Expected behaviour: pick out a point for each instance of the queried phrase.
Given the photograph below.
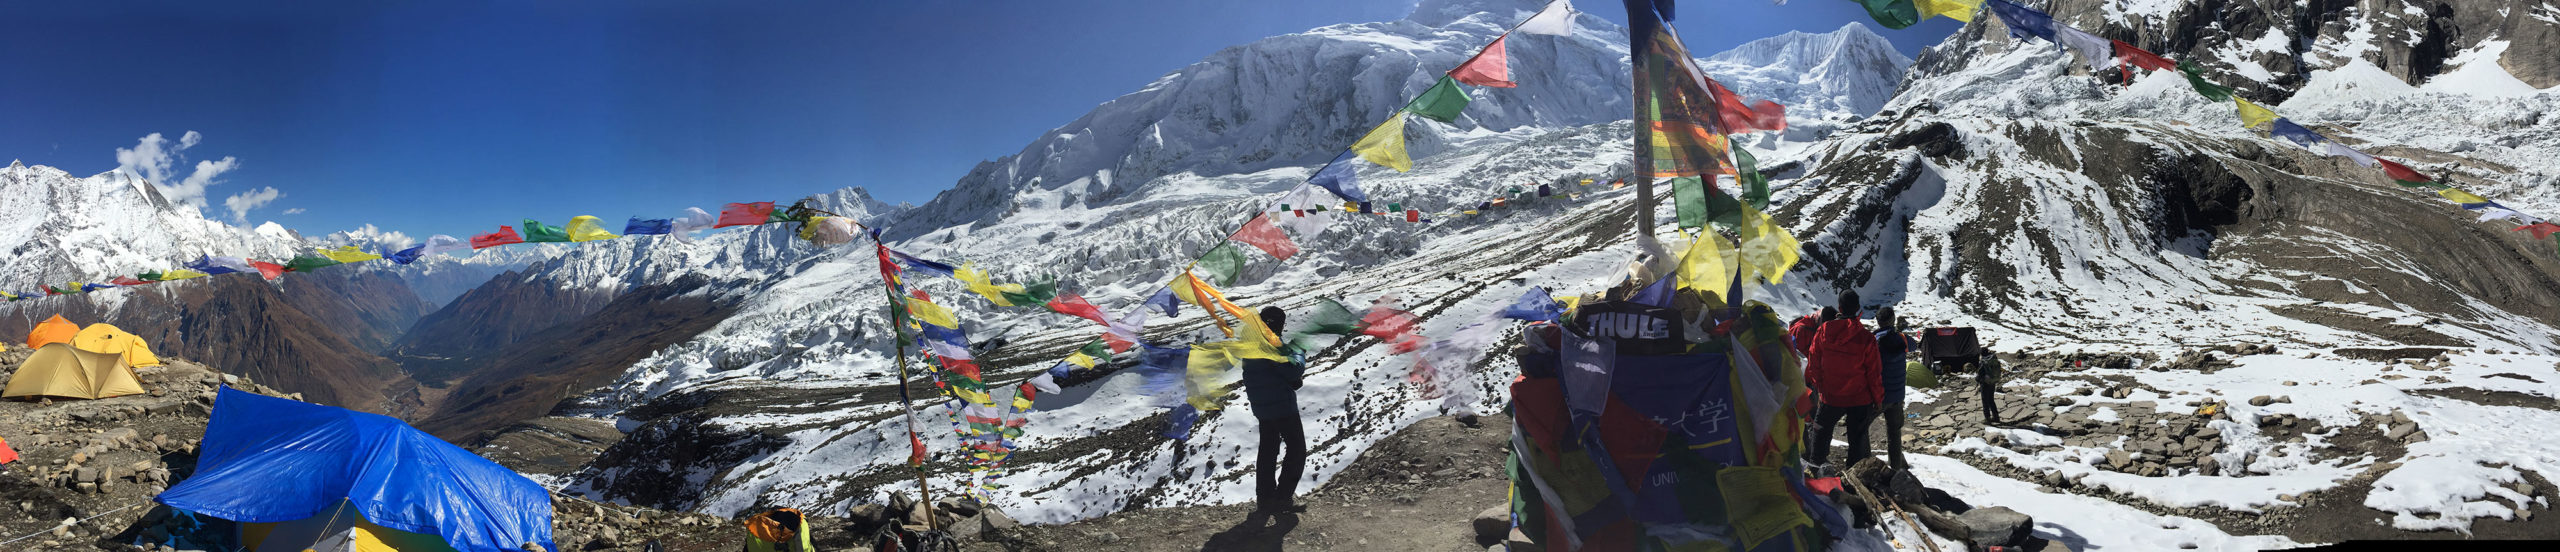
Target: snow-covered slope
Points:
(1851, 71)
(56, 228)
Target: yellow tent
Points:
(57, 370)
(52, 330)
(337, 530)
(107, 338)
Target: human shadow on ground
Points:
(1251, 535)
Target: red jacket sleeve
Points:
(1875, 377)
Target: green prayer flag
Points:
(152, 276)
(1689, 196)
(1892, 14)
(305, 263)
(1328, 317)
(1222, 264)
(1442, 102)
(1755, 187)
(1033, 294)
(898, 320)
(2195, 77)
(1097, 349)
(536, 232)
(1395, 207)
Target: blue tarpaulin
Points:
(267, 460)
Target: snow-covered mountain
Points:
(1847, 72)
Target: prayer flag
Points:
(1534, 306)
(642, 227)
(1327, 317)
(347, 254)
(1385, 145)
(505, 235)
(930, 313)
(1755, 187)
(2540, 230)
(2130, 57)
(266, 269)
(1340, 178)
(410, 255)
(1739, 114)
(948, 350)
(1222, 263)
(582, 228)
(1364, 208)
(1080, 359)
(694, 219)
(921, 264)
(1395, 207)
(1556, 19)
(2099, 53)
(2284, 128)
(2497, 213)
(222, 265)
(2195, 78)
(745, 214)
(1491, 67)
(1411, 215)
(1308, 225)
(441, 244)
(979, 283)
(2462, 197)
(1442, 102)
(1072, 305)
(1261, 234)
(1164, 300)
(1678, 114)
(180, 274)
(1191, 289)
(1960, 10)
(127, 281)
(1689, 199)
(2341, 150)
(306, 263)
(2405, 175)
(1708, 266)
(537, 232)
(1587, 365)
(2022, 21)
(2251, 115)
(1892, 14)
(1767, 248)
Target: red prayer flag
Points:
(1072, 305)
(1412, 215)
(1262, 234)
(127, 281)
(2403, 173)
(1117, 344)
(504, 235)
(2137, 57)
(2540, 230)
(267, 269)
(1740, 114)
(1490, 67)
(745, 214)
(915, 454)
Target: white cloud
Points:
(153, 158)
(293, 211)
(240, 204)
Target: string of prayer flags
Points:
(1072, 305)
(745, 214)
(2195, 77)
(1892, 14)
(1555, 20)
(827, 231)
(1123, 332)
(537, 232)
(268, 270)
(2022, 21)
(917, 263)
(1385, 145)
(585, 228)
(1262, 234)
(347, 254)
(1442, 102)
(505, 235)
(1490, 68)
(1222, 263)
(2097, 52)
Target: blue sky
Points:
(455, 117)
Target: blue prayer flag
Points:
(915, 263)
(1164, 301)
(1534, 306)
(2304, 137)
(2023, 21)
(640, 226)
(1340, 178)
(1658, 294)
(1178, 424)
(406, 256)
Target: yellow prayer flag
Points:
(1190, 289)
(1767, 247)
(2459, 196)
(931, 313)
(1385, 145)
(977, 280)
(2252, 116)
(1960, 10)
(180, 274)
(588, 228)
(1080, 359)
(1708, 266)
(347, 254)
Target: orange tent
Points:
(52, 330)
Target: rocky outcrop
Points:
(526, 378)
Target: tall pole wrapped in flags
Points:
(898, 317)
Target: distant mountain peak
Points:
(1440, 13)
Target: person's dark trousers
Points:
(1893, 435)
(1989, 383)
(1270, 493)
(1828, 418)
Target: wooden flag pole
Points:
(923, 488)
(1641, 23)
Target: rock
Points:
(2208, 466)
(2117, 459)
(998, 522)
(962, 506)
(2522, 488)
(2062, 401)
(2056, 480)
(1106, 537)
(2287, 399)
(1995, 526)
(85, 475)
(1518, 541)
(967, 529)
(865, 515)
(1492, 523)
(2400, 432)
(2261, 400)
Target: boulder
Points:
(1492, 523)
(1995, 526)
(866, 515)
(2261, 400)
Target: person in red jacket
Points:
(1849, 376)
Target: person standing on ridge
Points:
(1850, 382)
(1891, 348)
(1272, 386)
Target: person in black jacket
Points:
(1892, 346)
(1272, 387)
